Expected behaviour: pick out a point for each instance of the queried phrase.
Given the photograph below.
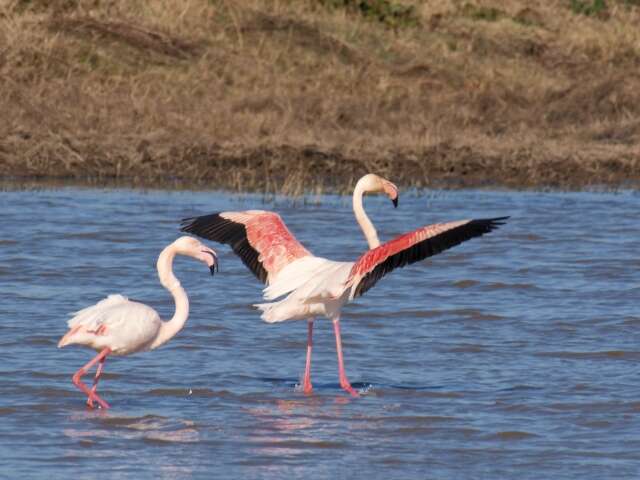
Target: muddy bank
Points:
(305, 98)
(296, 171)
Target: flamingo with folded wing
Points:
(119, 326)
(314, 286)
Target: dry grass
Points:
(292, 96)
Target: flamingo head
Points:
(376, 184)
(193, 247)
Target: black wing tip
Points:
(196, 224)
(219, 229)
(499, 221)
(187, 223)
(462, 233)
(490, 223)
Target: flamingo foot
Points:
(307, 388)
(346, 386)
(91, 395)
(101, 402)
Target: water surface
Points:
(511, 356)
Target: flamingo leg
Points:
(307, 369)
(344, 382)
(78, 375)
(96, 379)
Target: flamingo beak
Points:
(392, 192)
(214, 261)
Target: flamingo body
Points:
(119, 326)
(308, 286)
(116, 322)
(317, 290)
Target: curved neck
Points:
(168, 280)
(365, 224)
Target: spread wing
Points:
(412, 247)
(259, 238)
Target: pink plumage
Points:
(270, 237)
(305, 286)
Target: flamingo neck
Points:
(168, 280)
(363, 220)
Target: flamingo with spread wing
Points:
(313, 286)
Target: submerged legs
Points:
(96, 379)
(306, 384)
(91, 394)
(344, 382)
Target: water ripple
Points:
(509, 356)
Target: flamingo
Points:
(314, 286)
(119, 326)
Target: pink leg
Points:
(307, 369)
(78, 375)
(344, 382)
(96, 379)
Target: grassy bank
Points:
(309, 94)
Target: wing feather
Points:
(261, 239)
(92, 316)
(113, 312)
(412, 247)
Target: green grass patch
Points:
(487, 14)
(592, 8)
(390, 14)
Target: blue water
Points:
(514, 355)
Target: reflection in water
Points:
(147, 428)
(286, 432)
(103, 427)
(283, 419)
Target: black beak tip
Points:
(213, 268)
(395, 202)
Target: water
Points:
(511, 356)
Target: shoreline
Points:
(307, 170)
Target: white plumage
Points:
(129, 326)
(119, 326)
(315, 286)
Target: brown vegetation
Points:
(305, 95)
